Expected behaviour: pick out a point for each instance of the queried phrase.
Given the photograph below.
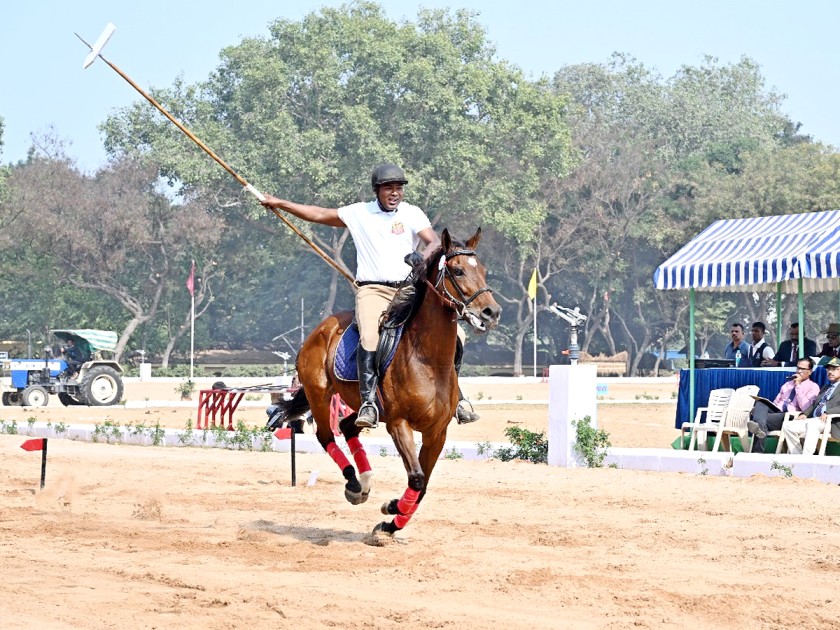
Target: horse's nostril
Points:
(490, 312)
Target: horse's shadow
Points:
(315, 535)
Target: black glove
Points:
(413, 259)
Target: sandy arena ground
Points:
(151, 537)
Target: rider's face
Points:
(390, 195)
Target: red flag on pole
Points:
(33, 445)
(191, 279)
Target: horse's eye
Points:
(457, 272)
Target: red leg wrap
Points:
(407, 505)
(359, 455)
(338, 455)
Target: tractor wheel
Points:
(67, 400)
(101, 386)
(11, 399)
(34, 396)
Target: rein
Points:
(458, 304)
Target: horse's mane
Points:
(405, 304)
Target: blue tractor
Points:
(79, 376)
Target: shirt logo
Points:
(397, 228)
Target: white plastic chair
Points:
(781, 445)
(715, 412)
(826, 436)
(735, 417)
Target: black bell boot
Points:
(462, 414)
(368, 414)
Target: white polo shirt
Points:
(383, 239)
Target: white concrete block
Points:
(696, 462)
(572, 397)
(641, 459)
(828, 473)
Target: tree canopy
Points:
(592, 177)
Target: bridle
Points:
(460, 303)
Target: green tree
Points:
(306, 112)
(648, 146)
(112, 234)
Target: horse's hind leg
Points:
(321, 412)
(353, 488)
(351, 435)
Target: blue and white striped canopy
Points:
(759, 253)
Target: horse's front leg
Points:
(404, 507)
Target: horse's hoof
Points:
(385, 528)
(355, 498)
(390, 507)
(366, 483)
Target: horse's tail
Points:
(288, 410)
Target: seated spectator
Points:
(738, 350)
(796, 394)
(788, 352)
(811, 422)
(760, 350)
(832, 347)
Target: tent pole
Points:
(691, 355)
(778, 314)
(801, 322)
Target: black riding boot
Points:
(368, 416)
(462, 414)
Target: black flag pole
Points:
(44, 464)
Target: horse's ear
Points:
(445, 240)
(472, 243)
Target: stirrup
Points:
(464, 415)
(363, 418)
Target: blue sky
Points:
(43, 86)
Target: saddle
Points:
(345, 366)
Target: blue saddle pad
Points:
(345, 367)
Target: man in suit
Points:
(832, 346)
(811, 422)
(789, 350)
(796, 394)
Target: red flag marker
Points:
(34, 445)
(283, 434)
(38, 444)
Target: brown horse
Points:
(419, 391)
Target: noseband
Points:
(458, 304)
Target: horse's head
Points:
(459, 276)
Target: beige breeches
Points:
(371, 301)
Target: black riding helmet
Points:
(387, 174)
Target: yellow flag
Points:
(532, 285)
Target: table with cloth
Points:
(769, 381)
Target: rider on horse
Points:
(386, 233)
